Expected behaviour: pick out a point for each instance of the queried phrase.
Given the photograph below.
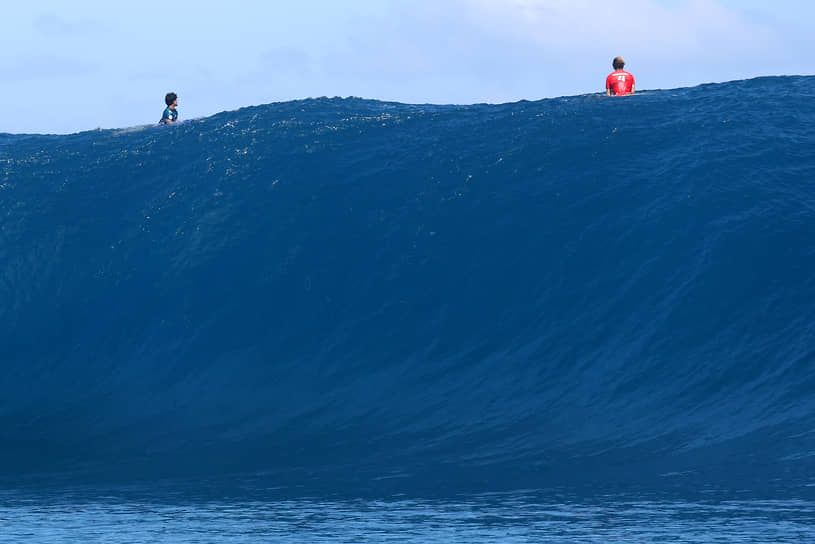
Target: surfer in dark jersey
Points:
(170, 114)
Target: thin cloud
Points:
(53, 25)
(704, 28)
(47, 67)
(496, 50)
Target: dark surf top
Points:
(169, 116)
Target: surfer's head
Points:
(170, 99)
(618, 63)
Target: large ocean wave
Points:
(351, 292)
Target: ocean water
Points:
(579, 319)
(513, 519)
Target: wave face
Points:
(357, 293)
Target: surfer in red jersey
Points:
(619, 82)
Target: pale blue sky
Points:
(69, 66)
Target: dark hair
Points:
(618, 63)
(170, 98)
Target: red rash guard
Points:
(620, 83)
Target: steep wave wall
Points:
(347, 290)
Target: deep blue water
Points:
(356, 299)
